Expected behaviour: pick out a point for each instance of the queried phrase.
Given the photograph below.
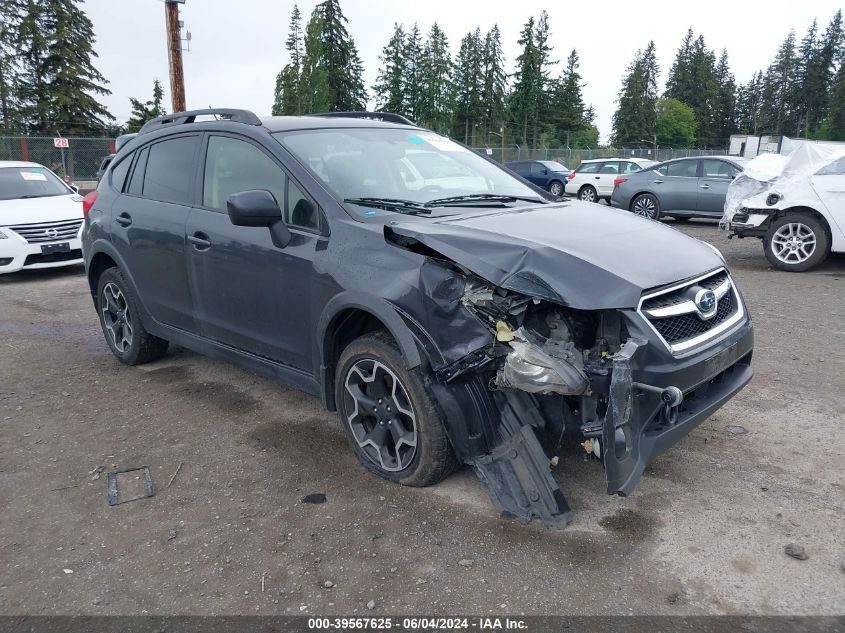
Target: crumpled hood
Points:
(578, 254)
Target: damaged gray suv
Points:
(450, 312)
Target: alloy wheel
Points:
(556, 189)
(794, 243)
(380, 415)
(588, 194)
(644, 206)
(116, 317)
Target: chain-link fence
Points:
(573, 157)
(80, 160)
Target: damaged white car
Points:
(794, 203)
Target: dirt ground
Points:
(704, 533)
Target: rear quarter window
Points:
(170, 170)
(588, 168)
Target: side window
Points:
(537, 169)
(609, 168)
(588, 168)
(119, 172)
(136, 181)
(686, 168)
(718, 169)
(836, 168)
(520, 168)
(630, 168)
(300, 211)
(169, 176)
(232, 165)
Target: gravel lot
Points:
(703, 534)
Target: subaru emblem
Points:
(705, 301)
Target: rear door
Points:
(607, 173)
(149, 226)
(676, 185)
(538, 174)
(716, 175)
(250, 294)
(829, 183)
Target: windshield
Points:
(29, 182)
(553, 165)
(379, 171)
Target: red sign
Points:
(61, 142)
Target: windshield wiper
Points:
(482, 197)
(392, 204)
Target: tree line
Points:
(472, 95)
(800, 94)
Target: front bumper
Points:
(18, 254)
(750, 222)
(639, 425)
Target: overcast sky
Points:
(238, 45)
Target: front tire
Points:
(556, 188)
(121, 322)
(647, 206)
(588, 193)
(389, 418)
(796, 242)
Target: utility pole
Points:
(174, 54)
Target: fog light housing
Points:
(772, 199)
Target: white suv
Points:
(40, 219)
(593, 179)
(795, 204)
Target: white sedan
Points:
(40, 219)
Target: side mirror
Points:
(258, 208)
(75, 188)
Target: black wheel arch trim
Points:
(104, 247)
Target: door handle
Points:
(597, 177)
(124, 219)
(200, 241)
(657, 182)
(704, 186)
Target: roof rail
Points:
(229, 114)
(388, 117)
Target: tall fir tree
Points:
(692, 80)
(833, 126)
(494, 87)
(635, 116)
(525, 95)
(413, 85)
(10, 22)
(314, 86)
(288, 97)
(334, 64)
(389, 89)
(469, 86)
(815, 74)
(60, 83)
(724, 106)
(749, 98)
(437, 97)
(143, 111)
(777, 111)
(567, 104)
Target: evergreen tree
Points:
(777, 111)
(635, 116)
(10, 21)
(567, 103)
(833, 127)
(815, 75)
(390, 84)
(314, 84)
(288, 98)
(494, 85)
(693, 80)
(143, 111)
(469, 86)
(337, 68)
(724, 107)
(748, 101)
(437, 89)
(59, 81)
(413, 86)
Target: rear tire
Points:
(646, 206)
(588, 193)
(120, 320)
(383, 406)
(796, 242)
(556, 188)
